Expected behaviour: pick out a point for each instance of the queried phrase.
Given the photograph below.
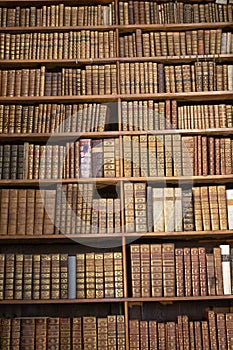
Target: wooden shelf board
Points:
(113, 181)
(116, 300)
(43, 29)
(183, 179)
(39, 3)
(61, 301)
(10, 137)
(61, 99)
(183, 235)
(55, 63)
(60, 238)
(182, 96)
(175, 299)
(179, 59)
(174, 27)
(72, 136)
(179, 96)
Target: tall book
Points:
(226, 268)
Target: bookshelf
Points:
(125, 79)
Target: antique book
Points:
(229, 196)
(168, 258)
(45, 273)
(109, 278)
(218, 270)
(212, 329)
(156, 270)
(63, 276)
(77, 333)
(187, 271)
(134, 335)
(18, 278)
(99, 275)
(89, 332)
(90, 276)
(145, 270)
(179, 268)
(102, 333)
(135, 257)
(226, 268)
(72, 277)
(53, 332)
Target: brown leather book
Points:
(135, 270)
(202, 271)
(221, 330)
(218, 270)
(89, 332)
(212, 329)
(179, 268)
(77, 333)
(27, 277)
(134, 335)
(168, 257)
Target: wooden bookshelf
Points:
(115, 187)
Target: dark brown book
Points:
(77, 333)
(168, 257)
(179, 263)
(65, 333)
(102, 333)
(195, 273)
(27, 333)
(212, 329)
(218, 270)
(2, 275)
(202, 271)
(41, 333)
(18, 279)
(136, 270)
(89, 333)
(134, 335)
(187, 272)
(64, 276)
(53, 332)
(221, 330)
(27, 276)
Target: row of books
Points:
(164, 270)
(175, 155)
(38, 82)
(176, 209)
(101, 79)
(143, 156)
(151, 115)
(57, 15)
(146, 12)
(53, 118)
(213, 333)
(190, 42)
(78, 333)
(94, 44)
(135, 116)
(58, 45)
(72, 209)
(159, 78)
(210, 155)
(83, 158)
(59, 276)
